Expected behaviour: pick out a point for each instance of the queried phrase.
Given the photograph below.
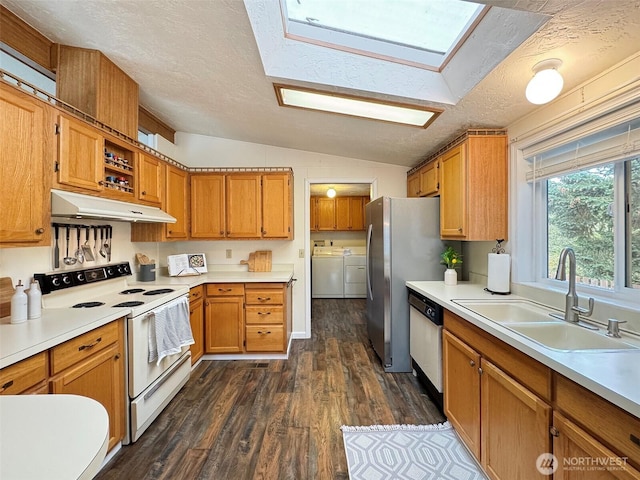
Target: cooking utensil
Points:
(95, 242)
(107, 243)
(86, 249)
(103, 252)
(56, 247)
(79, 253)
(69, 260)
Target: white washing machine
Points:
(355, 274)
(327, 273)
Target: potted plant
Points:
(452, 260)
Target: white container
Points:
(34, 301)
(450, 277)
(19, 304)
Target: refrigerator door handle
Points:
(370, 232)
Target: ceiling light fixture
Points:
(546, 83)
(351, 105)
(331, 192)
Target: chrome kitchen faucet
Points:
(572, 310)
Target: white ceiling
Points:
(199, 70)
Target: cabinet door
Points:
(356, 210)
(80, 154)
(461, 380)
(413, 185)
(453, 193)
(244, 207)
(313, 222)
(177, 184)
(277, 201)
(515, 427)
(196, 317)
(100, 377)
(224, 324)
(325, 214)
(343, 217)
(572, 444)
(429, 181)
(207, 206)
(24, 195)
(150, 178)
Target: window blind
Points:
(612, 138)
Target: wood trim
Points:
(25, 39)
(147, 121)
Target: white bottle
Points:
(34, 301)
(19, 304)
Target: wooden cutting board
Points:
(259, 261)
(6, 292)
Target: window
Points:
(586, 186)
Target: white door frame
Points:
(307, 234)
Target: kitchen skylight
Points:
(421, 33)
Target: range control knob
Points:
(66, 279)
(80, 278)
(120, 269)
(110, 272)
(56, 281)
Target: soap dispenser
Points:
(19, 304)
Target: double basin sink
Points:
(533, 321)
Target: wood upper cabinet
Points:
(224, 318)
(277, 206)
(461, 382)
(474, 189)
(27, 137)
(92, 83)
(80, 154)
(196, 318)
(349, 213)
(149, 179)
(430, 179)
(94, 368)
(244, 205)
(325, 214)
(413, 185)
(208, 219)
(176, 201)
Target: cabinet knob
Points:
(117, 356)
(264, 299)
(472, 363)
(221, 232)
(144, 192)
(460, 229)
(260, 332)
(39, 231)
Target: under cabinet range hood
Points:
(75, 205)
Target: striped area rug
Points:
(412, 452)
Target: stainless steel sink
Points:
(568, 337)
(510, 311)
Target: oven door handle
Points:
(166, 377)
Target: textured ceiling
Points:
(200, 71)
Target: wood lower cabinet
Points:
(92, 365)
(461, 380)
(580, 456)
(503, 423)
(196, 318)
(224, 318)
(27, 138)
(265, 317)
(25, 375)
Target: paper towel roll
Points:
(499, 274)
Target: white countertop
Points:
(57, 325)
(52, 436)
(614, 376)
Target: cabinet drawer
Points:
(224, 289)
(611, 425)
(79, 348)
(196, 293)
(264, 315)
(265, 338)
(20, 376)
(265, 297)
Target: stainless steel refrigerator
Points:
(403, 243)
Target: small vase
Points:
(450, 276)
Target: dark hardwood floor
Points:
(278, 419)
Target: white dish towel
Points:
(169, 329)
